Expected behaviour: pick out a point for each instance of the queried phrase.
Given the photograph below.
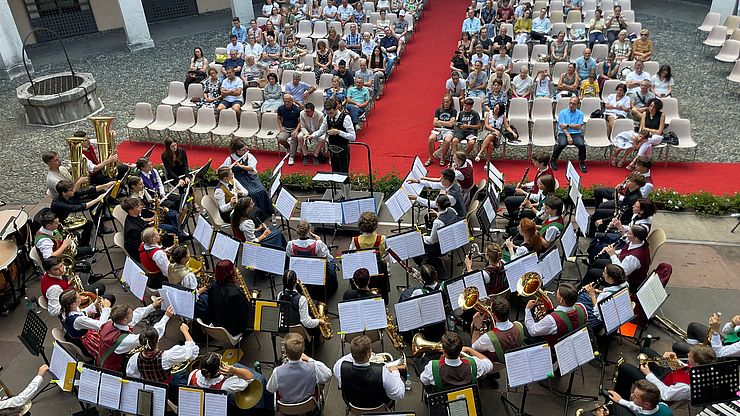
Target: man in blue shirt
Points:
(288, 116)
(358, 97)
(389, 46)
(541, 27)
(471, 24)
(238, 30)
(585, 64)
(570, 132)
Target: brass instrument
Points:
(250, 294)
(86, 298)
(531, 285)
(22, 409)
(387, 359)
(474, 251)
(78, 169)
(710, 332)
(419, 345)
(106, 143)
(69, 253)
(197, 266)
(603, 408)
(318, 312)
(159, 216)
(392, 331)
(670, 326)
(248, 398)
(620, 361)
(470, 299)
(672, 363)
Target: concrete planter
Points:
(58, 99)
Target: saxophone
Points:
(318, 312)
(250, 294)
(392, 332)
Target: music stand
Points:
(271, 317)
(33, 334)
(439, 402)
(714, 383)
(568, 395)
(604, 358)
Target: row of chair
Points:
(717, 36)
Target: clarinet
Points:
(409, 269)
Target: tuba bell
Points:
(106, 142)
(78, 169)
(470, 299)
(248, 398)
(419, 345)
(530, 284)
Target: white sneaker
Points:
(291, 161)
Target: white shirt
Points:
(323, 374)
(171, 357)
(131, 340)
(349, 127)
(53, 177)
(546, 325)
(232, 384)
(634, 76)
(220, 196)
(637, 409)
(604, 294)
(394, 387)
(483, 343)
(423, 202)
(85, 322)
(160, 259)
(321, 249)
(52, 298)
(612, 100)
(306, 319)
(345, 55)
(239, 48)
(24, 396)
(330, 11)
(367, 47)
(732, 350)
(432, 238)
(247, 227)
(630, 263)
(674, 393)
(154, 175)
(45, 246)
(426, 289)
(253, 51)
(484, 367)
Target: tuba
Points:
(106, 142)
(78, 170)
(248, 398)
(531, 285)
(419, 345)
(318, 312)
(470, 299)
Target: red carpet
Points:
(399, 125)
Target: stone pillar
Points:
(134, 22)
(11, 46)
(243, 9)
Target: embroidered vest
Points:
(567, 322)
(110, 338)
(47, 282)
(447, 377)
(504, 341)
(150, 367)
(194, 382)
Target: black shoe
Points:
(95, 277)
(185, 237)
(104, 229)
(583, 166)
(554, 164)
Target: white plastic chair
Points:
(520, 54)
(308, 43)
(610, 86)
(518, 109)
(537, 66)
(670, 109)
(621, 125)
(710, 20)
(165, 118)
(557, 16)
(304, 29)
(309, 78)
(589, 105)
(717, 37)
(319, 30)
(729, 52)
(254, 94)
(142, 117)
(576, 51)
(537, 50)
(175, 94)
(269, 128)
(206, 121)
(599, 52)
(227, 124)
(560, 105)
(574, 16)
(625, 4)
(556, 5)
(634, 27)
(185, 120)
(734, 75)
(732, 23)
(195, 90)
(594, 134)
(651, 67)
(317, 99)
(522, 127)
(629, 15)
(325, 82)
(286, 78)
(579, 26)
(542, 109)
(559, 69)
(543, 133)
(682, 128)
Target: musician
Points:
(604, 197)
(644, 400)
(153, 258)
(361, 280)
(154, 364)
(642, 213)
(503, 336)
(493, 273)
(214, 374)
(452, 370)
(178, 271)
(243, 225)
(227, 303)
(725, 342)
(673, 384)
(176, 169)
(602, 216)
(428, 275)
(298, 312)
(70, 201)
(532, 241)
(133, 226)
(171, 221)
(95, 166)
(227, 192)
(340, 132)
(21, 401)
(566, 317)
(446, 215)
(244, 165)
(153, 183)
(309, 244)
(550, 216)
(54, 282)
(614, 280)
(57, 172)
(634, 259)
(299, 378)
(463, 167)
(447, 184)
(117, 337)
(529, 207)
(371, 239)
(81, 327)
(366, 384)
(514, 195)
(49, 241)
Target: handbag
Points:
(598, 113)
(670, 138)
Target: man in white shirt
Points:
(116, 336)
(154, 364)
(567, 316)
(343, 54)
(635, 78)
(502, 335)
(367, 44)
(329, 12)
(21, 402)
(345, 12)
(452, 370)
(297, 379)
(311, 120)
(252, 48)
(57, 172)
(235, 45)
(541, 27)
(644, 400)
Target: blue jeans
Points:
(476, 93)
(354, 112)
(595, 37)
(389, 66)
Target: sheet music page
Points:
(453, 236)
(321, 212)
(250, 254)
(493, 171)
(408, 315)
(285, 203)
(566, 355)
(623, 306)
(310, 270)
(475, 279)
(517, 368)
(330, 177)
(454, 289)
(651, 295)
(59, 360)
(215, 404)
(582, 346)
(350, 317)
(110, 391)
(190, 402)
(357, 260)
(411, 188)
(366, 205)
(582, 217)
(275, 185)
(407, 245)
(398, 204)
(458, 408)
(609, 315)
(160, 399)
(517, 268)
(87, 391)
(225, 247)
(575, 192)
(568, 240)
(130, 396)
(540, 362)
(432, 309)
(350, 212)
(279, 166)
(418, 169)
(182, 301)
(490, 211)
(267, 259)
(203, 232)
(270, 319)
(550, 266)
(373, 313)
(572, 175)
(134, 277)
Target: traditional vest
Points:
(447, 377)
(146, 258)
(541, 173)
(677, 376)
(90, 155)
(308, 251)
(567, 322)
(642, 254)
(47, 282)
(467, 172)
(296, 381)
(56, 238)
(228, 194)
(361, 242)
(497, 278)
(504, 341)
(177, 272)
(293, 297)
(363, 385)
(557, 223)
(459, 206)
(335, 139)
(448, 217)
(193, 381)
(87, 340)
(150, 367)
(150, 181)
(110, 338)
(238, 233)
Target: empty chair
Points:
(558, 70)
(543, 134)
(717, 37)
(287, 77)
(670, 109)
(538, 5)
(651, 67)
(319, 30)
(522, 128)
(579, 26)
(589, 5)
(589, 105)
(520, 54)
(175, 94)
(269, 128)
(594, 134)
(309, 78)
(307, 43)
(588, 14)
(556, 5)
(165, 118)
(368, 6)
(304, 29)
(558, 27)
(308, 66)
(325, 82)
(600, 51)
(206, 122)
(629, 15)
(185, 120)
(634, 27)
(620, 125)
(576, 51)
(732, 23)
(373, 18)
(682, 128)
(735, 34)
(317, 99)
(537, 51)
(625, 4)
(734, 75)
(557, 16)
(226, 123)
(610, 86)
(142, 117)
(607, 5)
(710, 20)
(248, 126)
(729, 52)
(254, 95)
(195, 90)
(518, 109)
(575, 16)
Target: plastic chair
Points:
(254, 94)
(165, 118)
(367, 27)
(227, 124)
(373, 18)
(269, 128)
(556, 5)
(308, 77)
(287, 77)
(732, 23)
(248, 126)
(574, 16)
(710, 20)
(717, 37)
(729, 52)
(317, 99)
(520, 54)
(518, 109)
(261, 21)
(734, 75)
(195, 90)
(581, 26)
(537, 66)
(42, 302)
(363, 410)
(620, 125)
(74, 350)
(220, 52)
(368, 6)
(599, 52)
(634, 27)
(304, 29)
(629, 15)
(559, 69)
(175, 94)
(118, 240)
(543, 134)
(220, 334)
(211, 206)
(558, 27)
(557, 16)
(655, 240)
(337, 27)
(589, 5)
(142, 117)
(576, 51)
(537, 51)
(522, 127)
(625, 4)
(307, 43)
(305, 407)
(588, 14)
(607, 5)
(319, 30)
(324, 82)
(560, 105)
(185, 120)
(670, 109)
(589, 105)
(610, 86)
(651, 67)
(206, 121)
(594, 134)
(626, 64)
(682, 128)
(542, 109)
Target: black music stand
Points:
(273, 319)
(714, 383)
(439, 402)
(568, 395)
(509, 406)
(33, 334)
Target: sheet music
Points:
(225, 247)
(350, 317)
(58, 364)
(583, 347)
(574, 351)
(190, 402)
(203, 232)
(398, 204)
(130, 397)
(270, 318)
(321, 212)
(362, 315)
(408, 315)
(540, 362)
(458, 408)
(215, 404)
(330, 177)
(351, 209)
(432, 308)
(266, 259)
(453, 236)
(87, 390)
(566, 355)
(310, 270)
(568, 240)
(454, 289)
(407, 245)
(110, 391)
(285, 203)
(275, 185)
(373, 313)
(411, 188)
(134, 277)
(475, 279)
(651, 295)
(418, 170)
(550, 266)
(160, 399)
(616, 310)
(495, 176)
(181, 299)
(575, 192)
(572, 175)
(582, 217)
(279, 166)
(357, 260)
(517, 368)
(490, 211)
(517, 268)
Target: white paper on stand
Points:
(134, 277)
(225, 247)
(367, 259)
(407, 245)
(515, 269)
(285, 203)
(310, 270)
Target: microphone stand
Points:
(102, 205)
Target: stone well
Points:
(60, 98)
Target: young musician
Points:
(644, 400)
(532, 241)
(153, 183)
(21, 403)
(447, 184)
(551, 217)
(514, 195)
(429, 277)
(48, 239)
(227, 304)
(54, 282)
(463, 167)
(502, 335)
(81, 328)
(154, 364)
(446, 215)
(70, 201)
(227, 192)
(452, 370)
(493, 273)
(117, 337)
(530, 207)
(176, 169)
(243, 224)
(57, 172)
(604, 197)
(244, 166)
(674, 385)
(567, 316)
(299, 378)
(95, 166)
(725, 342)
(361, 280)
(214, 374)
(634, 259)
(178, 271)
(171, 222)
(602, 216)
(309, 244)
(366, 384)
(642, 213)
(133, 226)
(153, 258)
(371, 239)
(613, 280)
(298, 313)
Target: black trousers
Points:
(340, 160)
(594, 272)
(695, 331)
(599, 214)
(628, 374)
(542, 38)
(601, 195)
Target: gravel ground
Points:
(127, 78)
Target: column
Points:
(11, 46)
(134, 22)
(243, 9)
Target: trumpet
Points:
(603, 408)
(672, 363)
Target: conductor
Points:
(340, 132)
